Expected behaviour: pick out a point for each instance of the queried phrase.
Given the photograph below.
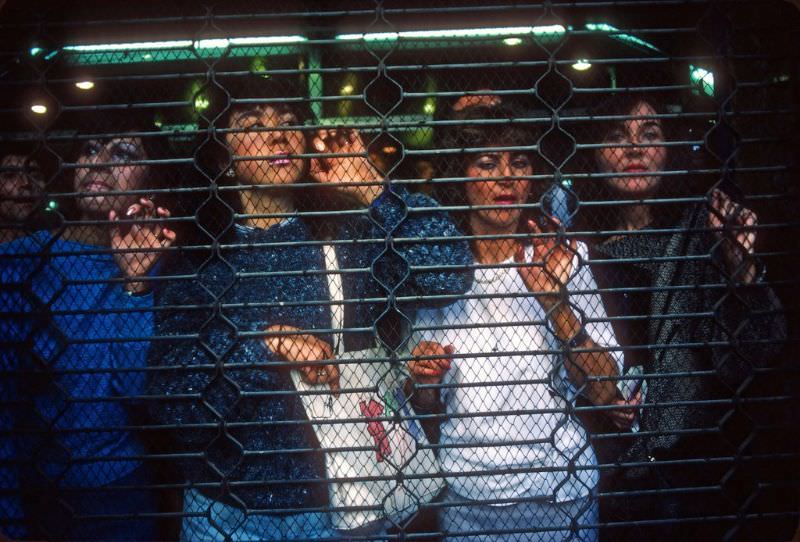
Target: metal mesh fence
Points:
(399, 270)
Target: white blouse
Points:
(508, 407)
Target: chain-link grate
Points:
(387, 270)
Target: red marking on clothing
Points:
(374, 409)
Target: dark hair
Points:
(214, 210)
(106, 124)
(47, 162)
(34, 151)
(475, 131)
(619, 105)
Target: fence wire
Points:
(387, 270)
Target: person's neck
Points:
(489, 251)
(10, 234)
(635, 217)
(87, 234)
(256, 203)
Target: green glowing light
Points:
(615, 33)
(198, 97)
(35, 51)
(703, 78)
(201, 103)
(52, 205)
(177, 50)
(106, 47)
(258, 66)
(512, 42)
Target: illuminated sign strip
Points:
(456, 33)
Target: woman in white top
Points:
(509, 359)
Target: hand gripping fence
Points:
(386, 270)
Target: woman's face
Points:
(261, 156)
(97, 185)
(21, 187)
(642, 154)
(506, 190)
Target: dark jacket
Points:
(228, 402)
(707, 336)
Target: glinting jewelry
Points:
(321, 373)
(230, 172)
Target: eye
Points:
(653, 134)
(91, 148)
(486, 163)
(288, 119)
(521, 163)
(615, 136)
(257, 124)
(124, 152)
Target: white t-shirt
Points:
(507, 407)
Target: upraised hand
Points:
(624, 416)
(346, 164)
(304, 348)
(138, 242)
(735, 225)
(551, 267)
(430, 371)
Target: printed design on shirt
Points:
(372, 410)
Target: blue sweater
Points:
(232, 405)
(68, 369)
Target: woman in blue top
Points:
(77, 314)
(251, 460)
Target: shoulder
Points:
(293, 228)
(418, 199)
(29, 244)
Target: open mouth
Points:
(635, 169)
(280, 159)
(96, 186)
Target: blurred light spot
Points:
(702, 78)
(201, 103)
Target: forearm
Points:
(590, 361)
(423, 399)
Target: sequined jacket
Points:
(227, 401)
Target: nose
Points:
(633, 146)
(277, 136)
(507, 172)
